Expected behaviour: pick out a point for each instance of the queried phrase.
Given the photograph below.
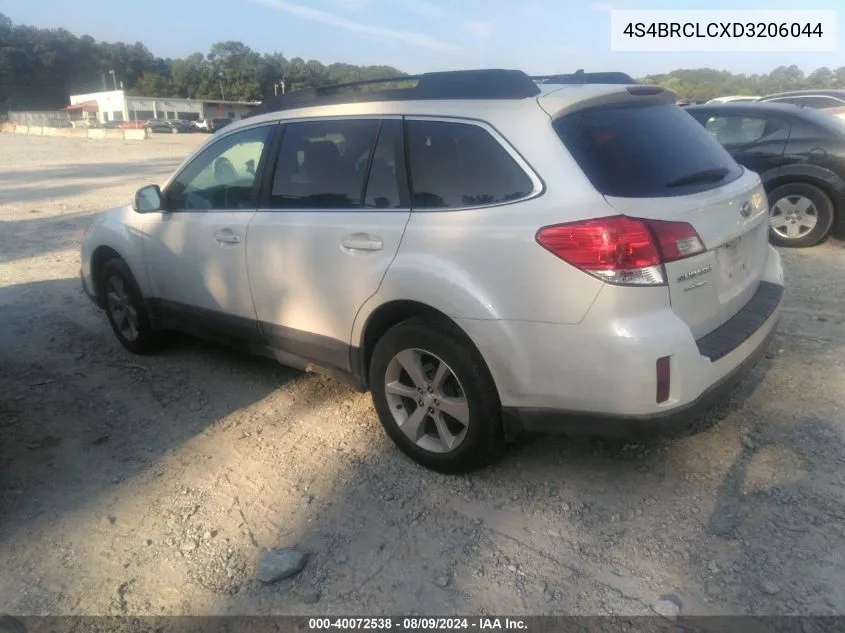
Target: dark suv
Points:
(799, 153)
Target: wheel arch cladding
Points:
(101, 255)
(390, 314)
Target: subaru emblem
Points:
(745, 209)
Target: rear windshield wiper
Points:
(703, 176)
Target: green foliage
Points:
(707, 83)
(39, 68)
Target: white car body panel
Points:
(199, 259)
(303, 273)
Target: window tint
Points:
(826, 122)
(739, 130)
(639, 151)
(821, 102)
(461, 165)
(322, 164)
(221, 177)
(383, 182)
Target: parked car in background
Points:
(800, 156)
(167, 126)
(479, 270)
(212, 125)
(132, 125)
(112, 125)
(817, 99)
(733, 99)
(184, 127)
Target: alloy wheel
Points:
(123, 313)
(793, 217)
(427, 400)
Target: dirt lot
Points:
(149, 485)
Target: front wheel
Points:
(435, 397)
(800, 215)
(126, 309)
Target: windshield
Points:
(636, 151)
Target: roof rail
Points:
(580, 77)
(458, 84)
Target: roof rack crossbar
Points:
(459, 84)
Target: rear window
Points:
(826, 121)
(457, 165)
(635, 151)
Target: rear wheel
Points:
(126, 309)
(435, 397)
(800, 215)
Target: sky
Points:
(537, 36)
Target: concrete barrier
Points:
(36, 130)
(97, 132)
(134, 135)
(49, 131)
(21, 129)
(7, 126)
(114, 134)
(78, 132)
(63, 132)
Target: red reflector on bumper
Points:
(663, 379)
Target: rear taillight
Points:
(622, 250)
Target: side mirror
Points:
(148, 199)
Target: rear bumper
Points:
(536, 420)
(598, 377)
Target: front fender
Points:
(121, 230)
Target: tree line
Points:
(39, 68)
(707, 83)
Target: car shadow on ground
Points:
(79, 415)
(560, 527)
(34, 236)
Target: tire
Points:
(468, 383)
(800, 215)
(118, 284)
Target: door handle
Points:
(227, 237)
(362, 243)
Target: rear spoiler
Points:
(560, 101)
(579, 77)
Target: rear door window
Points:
(457, 165)
(737, 131)
(636, 151)
(323, 164)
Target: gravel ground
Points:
(150, 485)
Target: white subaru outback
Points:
(485, 252)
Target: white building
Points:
(116, 105)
